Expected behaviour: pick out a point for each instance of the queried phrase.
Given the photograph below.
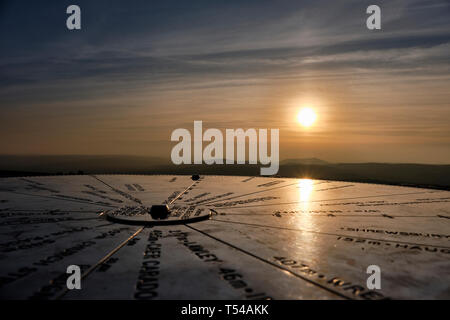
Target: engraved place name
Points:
(111, 233)
(346, 287)
(356, 203)
(245, 201)
(397, 233)
(199, 211)
(171, 197)
(387, 203)
(433, 199)
(148, 279)
(126, 195)
(94, 188)
(236, 281)
(30, 214)
(40, 188)
(131, 211)
(133, 241)
(25, 271)
(187, 214)
(64, 253)
(134, 187)
(394, 245)
(215, 213)
(23, 246)
(55, 286)
(105, 266)
(231, 276)
(28, 221)
(103, 203)
(195, 248)
(138, 187)
(197, 197)
(39, 241)
(219, 196)
(93, 193)
(334, 188)
(280, 213)
(177, 211)
(270, 184)
(73, 198)
(193, 186)
(31, 181)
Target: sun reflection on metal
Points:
(305, 187)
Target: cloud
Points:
(174, 60)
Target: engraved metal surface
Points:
(267, 238)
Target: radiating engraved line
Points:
(114, 189)
(62, 199)
(328, 234)
(16, 223)
(105, 225)
(269, 263)
(310, 201)
(102, 260)
(337, 187)
(330, 215)
(52, 210)
(106, 184)
(247, 194)
(175, 199)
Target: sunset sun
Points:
(306, 117)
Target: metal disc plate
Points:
(266, 238)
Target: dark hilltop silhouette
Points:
(418, 175)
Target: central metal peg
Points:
(159, 211)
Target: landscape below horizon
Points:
(408, 174)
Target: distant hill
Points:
(75, 163)
(313, 161)
(421, 175)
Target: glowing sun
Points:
(306, 117)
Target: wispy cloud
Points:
(175, 60)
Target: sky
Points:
(137, 70)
